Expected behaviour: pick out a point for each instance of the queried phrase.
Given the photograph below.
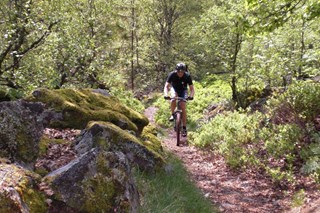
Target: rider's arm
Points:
(191, 90)
(166, 89)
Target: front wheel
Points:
(178, 127)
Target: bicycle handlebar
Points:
(178, 98)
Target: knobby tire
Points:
(178, 128)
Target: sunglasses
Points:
(180, 71)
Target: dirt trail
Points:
(236, 191)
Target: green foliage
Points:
(217, 34)
(163, 112)
(311, 156)
(298, 198)
(7, 94)
(277, 175)
(269, 15)
(212, 91)
(229, 134)
(281, 140)
(248, 96)
(127, 98)
(303, 98)
(171, 191)
(242, 137)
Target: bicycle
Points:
(178, 116)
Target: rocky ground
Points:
(239, 191)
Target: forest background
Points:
(238, 52)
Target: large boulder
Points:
(112, 138)
(97, 181)
(81, 106)
(19, 190)
(21, 128)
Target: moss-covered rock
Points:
(20, 132)
(150, 139)
(98, 181)
(112, 138)
(81, 106)
(19, 191)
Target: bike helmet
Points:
(181, 66)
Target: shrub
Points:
(248, 95)
(281, 140)
(311, 156)
(126, 97)
(229, 134)
(302, 97)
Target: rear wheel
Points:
(178, 127)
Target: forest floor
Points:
(239, 191)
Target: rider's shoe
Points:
(171, 118)
(184, 132)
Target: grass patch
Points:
(170, 190)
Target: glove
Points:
(166, 97)
(190, 98)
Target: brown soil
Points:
(239, 191)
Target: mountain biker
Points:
(177, 82)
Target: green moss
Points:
(99, 193)
(26, 152)
(41, 171)
(7, 205)
(150, 139)
(101, 190)
(119, 135)
(102, 165)
(46, 141)
(81, 106)
(35, 200)
(24, 183)
(100, 142)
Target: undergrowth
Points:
(279, 140)
(127, 98)
(170, 190)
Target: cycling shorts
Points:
(181, 94)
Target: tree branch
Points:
(37, 42)
(4, 54)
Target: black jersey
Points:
(179, 84)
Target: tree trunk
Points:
(132, 44)
(234, 67)
(302, 49)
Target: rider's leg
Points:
(173, 105)
(184, 119)
(184, 113)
